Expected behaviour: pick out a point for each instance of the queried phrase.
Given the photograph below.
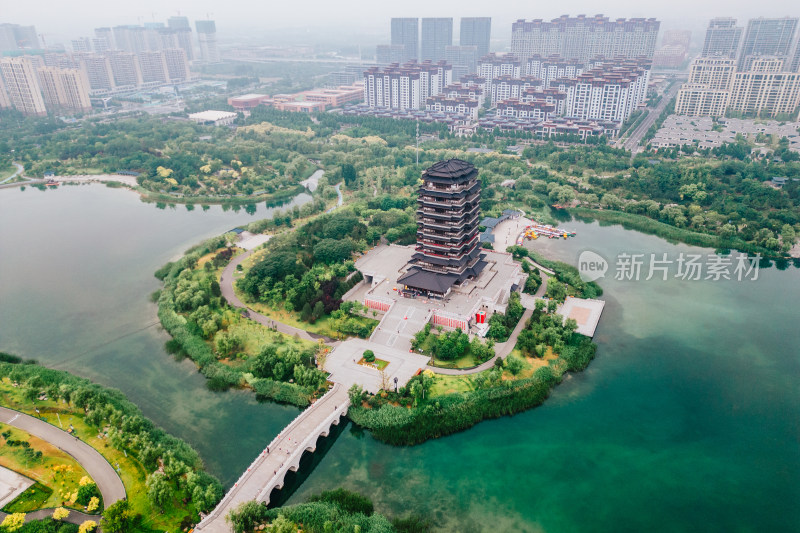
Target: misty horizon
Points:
(359, 23)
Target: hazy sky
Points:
(363, 19)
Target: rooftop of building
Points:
(212, 115)
(251, 96)
(450, 168)
(388, 263)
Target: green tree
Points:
(355, 393)
(159, 490)
(514, 365)
(117, 517)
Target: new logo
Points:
(591, 266)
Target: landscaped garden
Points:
(164, 479)
(60, 480)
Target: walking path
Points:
(20, 170)
(228, 292)
(226, 285)
(75, 517)
(282, 455)
(98, 468)
(501, 350)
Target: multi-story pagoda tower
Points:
(448, 249)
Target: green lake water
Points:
(687, 420)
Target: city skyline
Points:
(49, 16)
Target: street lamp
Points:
(395, 384)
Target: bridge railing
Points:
(260, 457)
(312, 437)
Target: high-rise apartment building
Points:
(207, 39)
(103, 39)
(184, 32)
(437, 35)
(722, 38)
(767, 37)
(153, 66)
(677, 38)
(386, 54)
(14, 37)
(22, 85)
(584, 37)
(716, 87)
(405, 31)
(464, 60)
(609, 91)
(795, 65)
(84, 44)
(179, 23)
(476, 31)
(125, 68)
(493, 65)
(26, 37)
(65, 89)
(707, 92)
(130, 38)
(552, 68)
(177, 64)
(98, 71)
(5, 103)
(766, 89)
(405, 86)
(8, 41)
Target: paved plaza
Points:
(11, 485)
(585, 312)
(382, 266)
(343, 365)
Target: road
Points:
(632, 142)
(98, 468)
(19, 171)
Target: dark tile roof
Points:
(429, 281)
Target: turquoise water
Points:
(76, 269)
(687, 420)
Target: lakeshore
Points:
(697, 397)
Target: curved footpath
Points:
(75, 517)
(20, 170)
(98, 468)
(226, 285)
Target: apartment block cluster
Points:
(579, 75)
(115, 61)
(753, 72)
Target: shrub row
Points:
(453, 412)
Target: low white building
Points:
(214, 118)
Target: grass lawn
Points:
(378, 364)
(451, 384)
(51, 483)
(7, 171)
(36, 497)
(132, 472)
(255, 337)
